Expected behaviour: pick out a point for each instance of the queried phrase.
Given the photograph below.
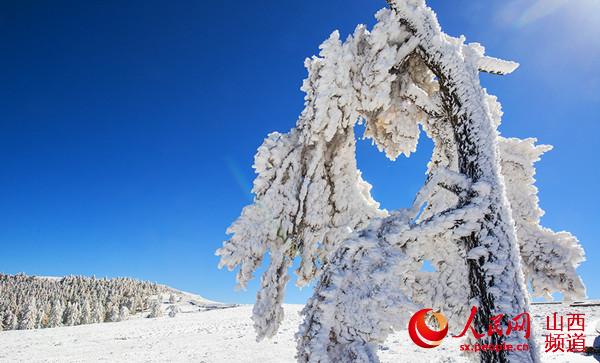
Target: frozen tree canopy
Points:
(476, 219)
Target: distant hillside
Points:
(33, 302)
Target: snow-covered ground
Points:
(220, 334)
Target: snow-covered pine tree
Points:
(123, 313)
(41, 319)
(112, 313)
(155, 309)
(10, 320)
(130, 303)
(173, 310)
(138, 304)
(56, 314)
(146, 303)
(71, 315)
(98, 312)
(28, 315)
(86, 312)
(481, 234)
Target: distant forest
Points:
(30, 302)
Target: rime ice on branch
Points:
(476, 218)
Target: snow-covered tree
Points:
(86, 313)
(146, 303)
(56, 314)
(98, 312)
(72, 314)
(476, 217)
(42, 318)
(10, 320)
(155, 309)
(138, 304)
(172, 298)
(123, 313)
(173, 310)
(112, 313)
(28, 315)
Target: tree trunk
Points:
(496, 281)
(478, 161)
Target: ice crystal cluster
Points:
(476, 219)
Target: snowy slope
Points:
(220, 335)
(186, 303)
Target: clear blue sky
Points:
(128, 128)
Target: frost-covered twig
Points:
(549, 258)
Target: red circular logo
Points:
(421, 334)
